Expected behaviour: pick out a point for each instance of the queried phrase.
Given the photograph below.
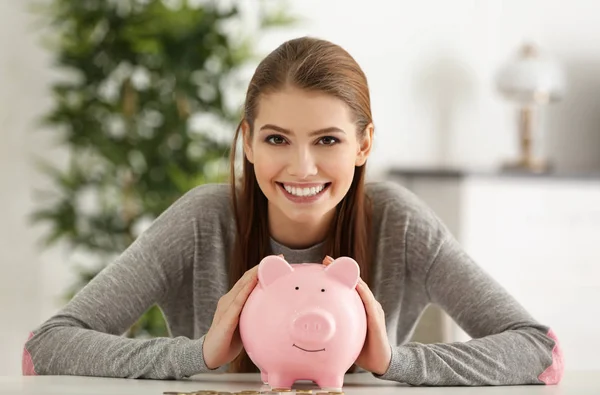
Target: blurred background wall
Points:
(431, 67)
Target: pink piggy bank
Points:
(304, 322)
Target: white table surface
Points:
(579, 383)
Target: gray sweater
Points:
(180, 264)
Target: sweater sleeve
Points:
(85, 338)
(508, 347)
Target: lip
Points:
(304, 199)
(303, 185)
(304, 349)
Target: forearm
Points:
(61, 347)
(509, 346)
(521, 356)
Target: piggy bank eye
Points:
(322, 289)
(297, 288)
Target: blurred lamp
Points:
(531, 80)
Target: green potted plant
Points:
(144, 116)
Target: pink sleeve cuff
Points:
(554, 373)
(27, 363)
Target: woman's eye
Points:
(276, 140)
(328, 140)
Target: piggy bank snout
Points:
(313, 327)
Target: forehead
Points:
(303, 111)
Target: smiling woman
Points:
(307, 131)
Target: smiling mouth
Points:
(303, 193)
(303, 349)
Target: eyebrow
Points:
(331, 129)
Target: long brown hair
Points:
(314, 65)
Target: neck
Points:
(298, 235)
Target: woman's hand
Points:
(222, 343)
(376, 353)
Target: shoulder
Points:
(203, 202)
(387, 192)
(213, 196)
(398, 212)
(396, 200)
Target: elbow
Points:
(553, 374)
(27, 366)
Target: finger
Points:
(327, 260)
(232, 315)
(230, 305)
(364, 292)
(247, 276)
(372, 306)
(228, 298)
(250, 277)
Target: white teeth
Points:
(304, 191)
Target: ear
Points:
(366, 144)
(271, 268)
(247, 141)
(344, 270)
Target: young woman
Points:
(306, 132)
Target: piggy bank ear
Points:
(344, 270)
(271, 268)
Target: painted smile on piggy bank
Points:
(304, 321)
(304, 349)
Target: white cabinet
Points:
(539, 236)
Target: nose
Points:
(313, 327)
(302, 164)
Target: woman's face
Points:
(304, 149)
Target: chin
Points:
(306, 217)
